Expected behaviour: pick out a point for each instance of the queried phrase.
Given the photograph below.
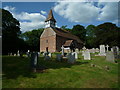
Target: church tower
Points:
(50, 21)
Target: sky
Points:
(32, 15)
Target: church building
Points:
(53, 38)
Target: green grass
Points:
(16, 73)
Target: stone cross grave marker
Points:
(107, 47)
(87, 55)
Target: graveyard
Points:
(94, 73)
(60, 50)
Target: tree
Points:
(90, 36)
(79, 31)
(10, 33)
(107, 33)
(32, 38)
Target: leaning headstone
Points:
(102, 50)
(110, 56)
(87, 55)
(59, 57)
(71, 58)
(34, 61)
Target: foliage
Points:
(32, 38)
(90, 36)
(10, 33)
(107, 33)
(79, 31)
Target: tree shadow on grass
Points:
(13, 67)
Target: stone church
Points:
(53, 38)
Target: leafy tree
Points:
(107, 33)
(32, 38)
(90, 36)
(79, 31)
(10, 33)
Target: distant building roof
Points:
(68, 43)
(50, 16)
(66, 34)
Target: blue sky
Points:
(32, 14)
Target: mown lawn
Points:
(16, 73)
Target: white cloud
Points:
(43, 12)
(28, 21)
(77, 11)
(109, 12)
(87, 12)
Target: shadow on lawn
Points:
(14, 67)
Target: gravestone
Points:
(28, 53)
(102, 50)
(76, 55)
(83, 53)
(50, 55)
(18, 53)
(97, 50)
(59, 57)
(87, 55)
(77, 50)
(34, 60)
(116, 51)
(14, 54)
(107, 47)
(71, 58)
(47, 58)
(110, 56)
(62, 50)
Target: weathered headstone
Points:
(87, 55)
(83, 53)
(50, 55)
(18, 53)
(28, 53)
(62, 50)
(47, 58)
(14, 54)
(76, 55)
(71, 58)
(116, 51)
(34, 60)
(110, 56)
(59, 57)
(102, 50)
(96, 50)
